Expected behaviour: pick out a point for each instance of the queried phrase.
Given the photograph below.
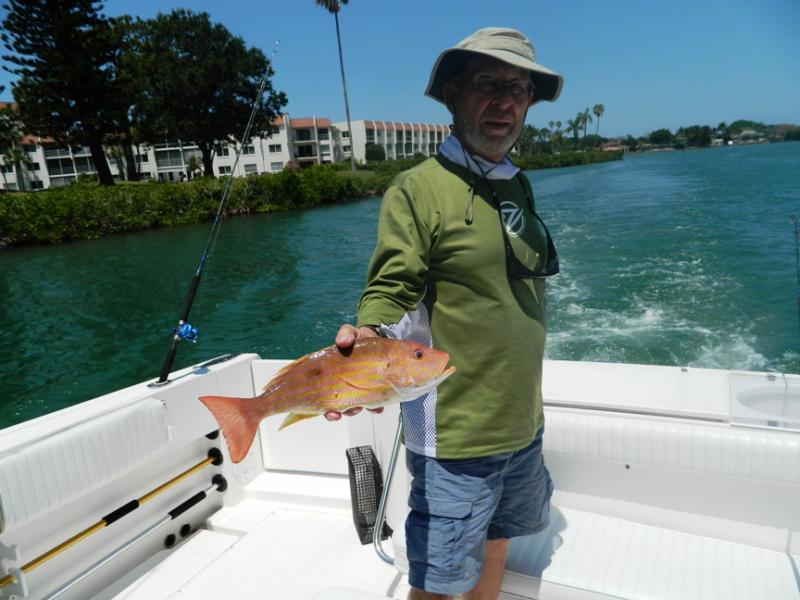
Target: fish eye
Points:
(418, 353)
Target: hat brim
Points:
(548, 83)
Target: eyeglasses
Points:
(515, 267)
(517, 89)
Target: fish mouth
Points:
(443, 371)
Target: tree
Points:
(543, 136)
(696, 135)
(199, 83)
(17, 157)
(574, 125)
(598, 110)
(660, 137)
(586, 118)
(556, 134)
(527, 140)
(62, 51)
(374, 152)
(194, 166)
(9, 134)
(333, 6)
(125, 66)
(723, 131)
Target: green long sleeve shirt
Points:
(438, 275)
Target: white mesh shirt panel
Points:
(419, 415)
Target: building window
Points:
(84, 164)
(370, 136)
(251, 168)
(223, 151)
(346, 148)
(324, 148)
(29, 148)
(248, 149)
(274, 148)
(274, 130)
(51, 151)
(142, 158)
(169, 158)
(323, 134)
(37, 185)
(345, 135)
(34, 166)
(7, 168)
(276, 166)
(60, 166)
(76, 150)
(61, 181)
(224, 170)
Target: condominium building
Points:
(398, 139)
(302, 141)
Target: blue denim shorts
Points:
(456, 505)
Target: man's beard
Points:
(485, 146)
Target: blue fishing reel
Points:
(186, 332)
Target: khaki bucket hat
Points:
(506, 45)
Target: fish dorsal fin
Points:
(283, 371)
(293, 418)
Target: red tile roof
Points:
(303, 123)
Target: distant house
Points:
(615, 145)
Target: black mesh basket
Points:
(366, 487)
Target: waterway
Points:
(679, 258)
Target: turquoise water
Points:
(680, 258)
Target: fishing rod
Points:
(184, 330)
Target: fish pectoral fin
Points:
(293, 418)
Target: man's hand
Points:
(345, 338)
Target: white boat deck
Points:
(292, 537)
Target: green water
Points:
(681, 258)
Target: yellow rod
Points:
(177, 479)
(43, 558)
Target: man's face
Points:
(489, 101)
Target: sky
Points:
(651, 64)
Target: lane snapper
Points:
(376, 372)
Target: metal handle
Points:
(376, 534)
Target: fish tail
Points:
(238, 418)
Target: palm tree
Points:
(333, 6)
(586, 118)
(598, 110)
(574, 125)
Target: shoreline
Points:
(85, 211)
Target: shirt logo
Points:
(513, 218)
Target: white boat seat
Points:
(684, 445)
(623, 559)
(47, 473)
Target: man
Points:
(460, 264)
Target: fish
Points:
(377, 371)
